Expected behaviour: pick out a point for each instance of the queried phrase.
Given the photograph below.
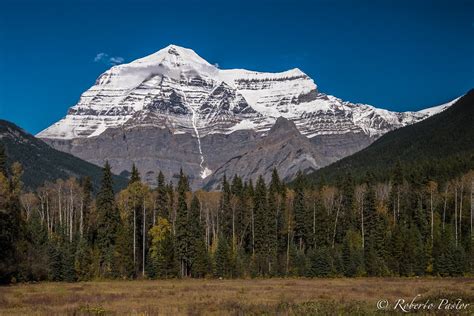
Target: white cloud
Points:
(116, 60)
(108, 60)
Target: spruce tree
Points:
(265, 255)
(222, 258)
(182, 234)
(162, 197)
(226, 210)
(11, 223)
(108, 221)
(302, 216)
(198, 260)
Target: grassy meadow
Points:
(338, 296)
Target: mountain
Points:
(42, 163)
(188, 111)
(436, 147)
(284, 148)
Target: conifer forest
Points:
(67, 231)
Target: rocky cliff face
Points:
(173, 109)
(284, 149)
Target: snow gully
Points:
(204, 170)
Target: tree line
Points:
(405, 226)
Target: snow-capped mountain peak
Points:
(177, 89)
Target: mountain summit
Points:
(176, 92)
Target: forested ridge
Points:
(440, 147)
(403, 226)
(42, 163)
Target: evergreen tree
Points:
(302, 216)
(353, 255)
(226, 210)
(265, 243)
(276, 216)
(222, 258)
(135, 175)
(3, 160)
(11, 223)
(321, 264)
(83, 261)
(67, 250)
(182, 234)
(198, 260)
(108, 222)
(55, 261)
(162, 197)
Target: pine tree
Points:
(182, 236)
(108, 222)
(55, 261)
(11, 224)
(352, 255)
(302, 217)
(226, 210)
(83, 261)
(162, 197)
(276, 218)
(198, 259)
(321, 264)
(3, 160)
(135, 175)
(265, 244)
(68, 261)
(222, 258)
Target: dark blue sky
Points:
(398, 55)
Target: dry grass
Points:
(224, 297)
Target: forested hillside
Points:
(42, 163)
(439, 147)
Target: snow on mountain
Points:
(177, 89)
(440, 108)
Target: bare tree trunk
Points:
(314, 217)
(48, 216)
(154, 212)
(460, 210)
(144, 238)
(431, 209)
(134, 238)
(362, 224)
(233, 229)
(208, 229)
(445, 205)
(59, 206)
(335, 222)
(472, 203)
(71, 214)
(42, 209)
(253, 234)
(398, 201)
(288, 244)
(456, 212)
(81, 223)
